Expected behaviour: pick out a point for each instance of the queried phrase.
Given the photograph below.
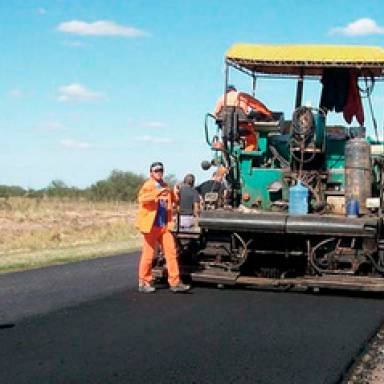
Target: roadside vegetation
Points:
(118, 186)
(59, 224)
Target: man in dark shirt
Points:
(214, 185)
(189, 202)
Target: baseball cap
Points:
(156, 166)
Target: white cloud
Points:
(16, 93)
(360, 27)
(77, 92)
(75, 144)
(155, 140)
(153, 124)
(99, 28)
(53, 126)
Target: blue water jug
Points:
(298, 199)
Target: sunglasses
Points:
(158, 170)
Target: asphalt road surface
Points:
(86, 323)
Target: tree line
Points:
(118, 186)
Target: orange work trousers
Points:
(251, 140)
(165, 238)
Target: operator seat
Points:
(229, 119)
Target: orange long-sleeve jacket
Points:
(149, 196)
(243, 101)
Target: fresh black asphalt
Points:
(86, 323)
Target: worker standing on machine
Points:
(155, 222)
(246, 103)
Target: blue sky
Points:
(91, 86)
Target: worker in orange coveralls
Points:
(155, 221)
(246, 103)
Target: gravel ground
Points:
(369, 368)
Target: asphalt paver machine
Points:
(304, 210)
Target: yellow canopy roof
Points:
(306, 59)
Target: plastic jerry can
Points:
(298, 199)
